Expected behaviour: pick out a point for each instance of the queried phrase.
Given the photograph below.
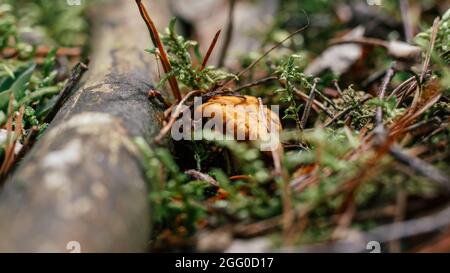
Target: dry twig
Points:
(228, 34)
(158, 43)
(210, 50)
(308, 104)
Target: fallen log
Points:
(81, 187)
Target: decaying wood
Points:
(82, 181)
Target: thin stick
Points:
(338, 88)
(228, 35)
(385, 233)
(157, 42)
(9, 133)
(399, 216)
(210, 49)
(325, 98)
(10, 156)
(362, 41)
(404, 7)
(202, 176)
(426, 63)
(420, 166)
(255, 83)
(401, 86)
(28, 143)
(17, 134)
(345, 111)
(268, 51)
(317, 103)
(433, 122)
(174, 116)
(308, 104)
(387, 79)
(241, 176)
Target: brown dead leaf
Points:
(338, 58)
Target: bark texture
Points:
(82, 182)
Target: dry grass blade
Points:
(228, 35)
(425, 66)
(210, 50)
(409, 117)
(316, 103)
(346, 111)
(245, 70)
(381, 94)
(17, 134)
(406, 18)
(426, 63)
(158, 43)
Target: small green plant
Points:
(30, 84)
(30, 74)
(183, 66)
(289, 73)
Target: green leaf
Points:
(43, 108)
(4, 99)
(20, 84)
(8, 70)
(49, 62)
(172, 23)
(6, 83)
(2, 118)
(153, 51)
(38, 93)
(18, 87)
(197, 53)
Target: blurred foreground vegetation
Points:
(39, 43)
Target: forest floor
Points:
(363, 97)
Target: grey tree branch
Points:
(82, 180)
